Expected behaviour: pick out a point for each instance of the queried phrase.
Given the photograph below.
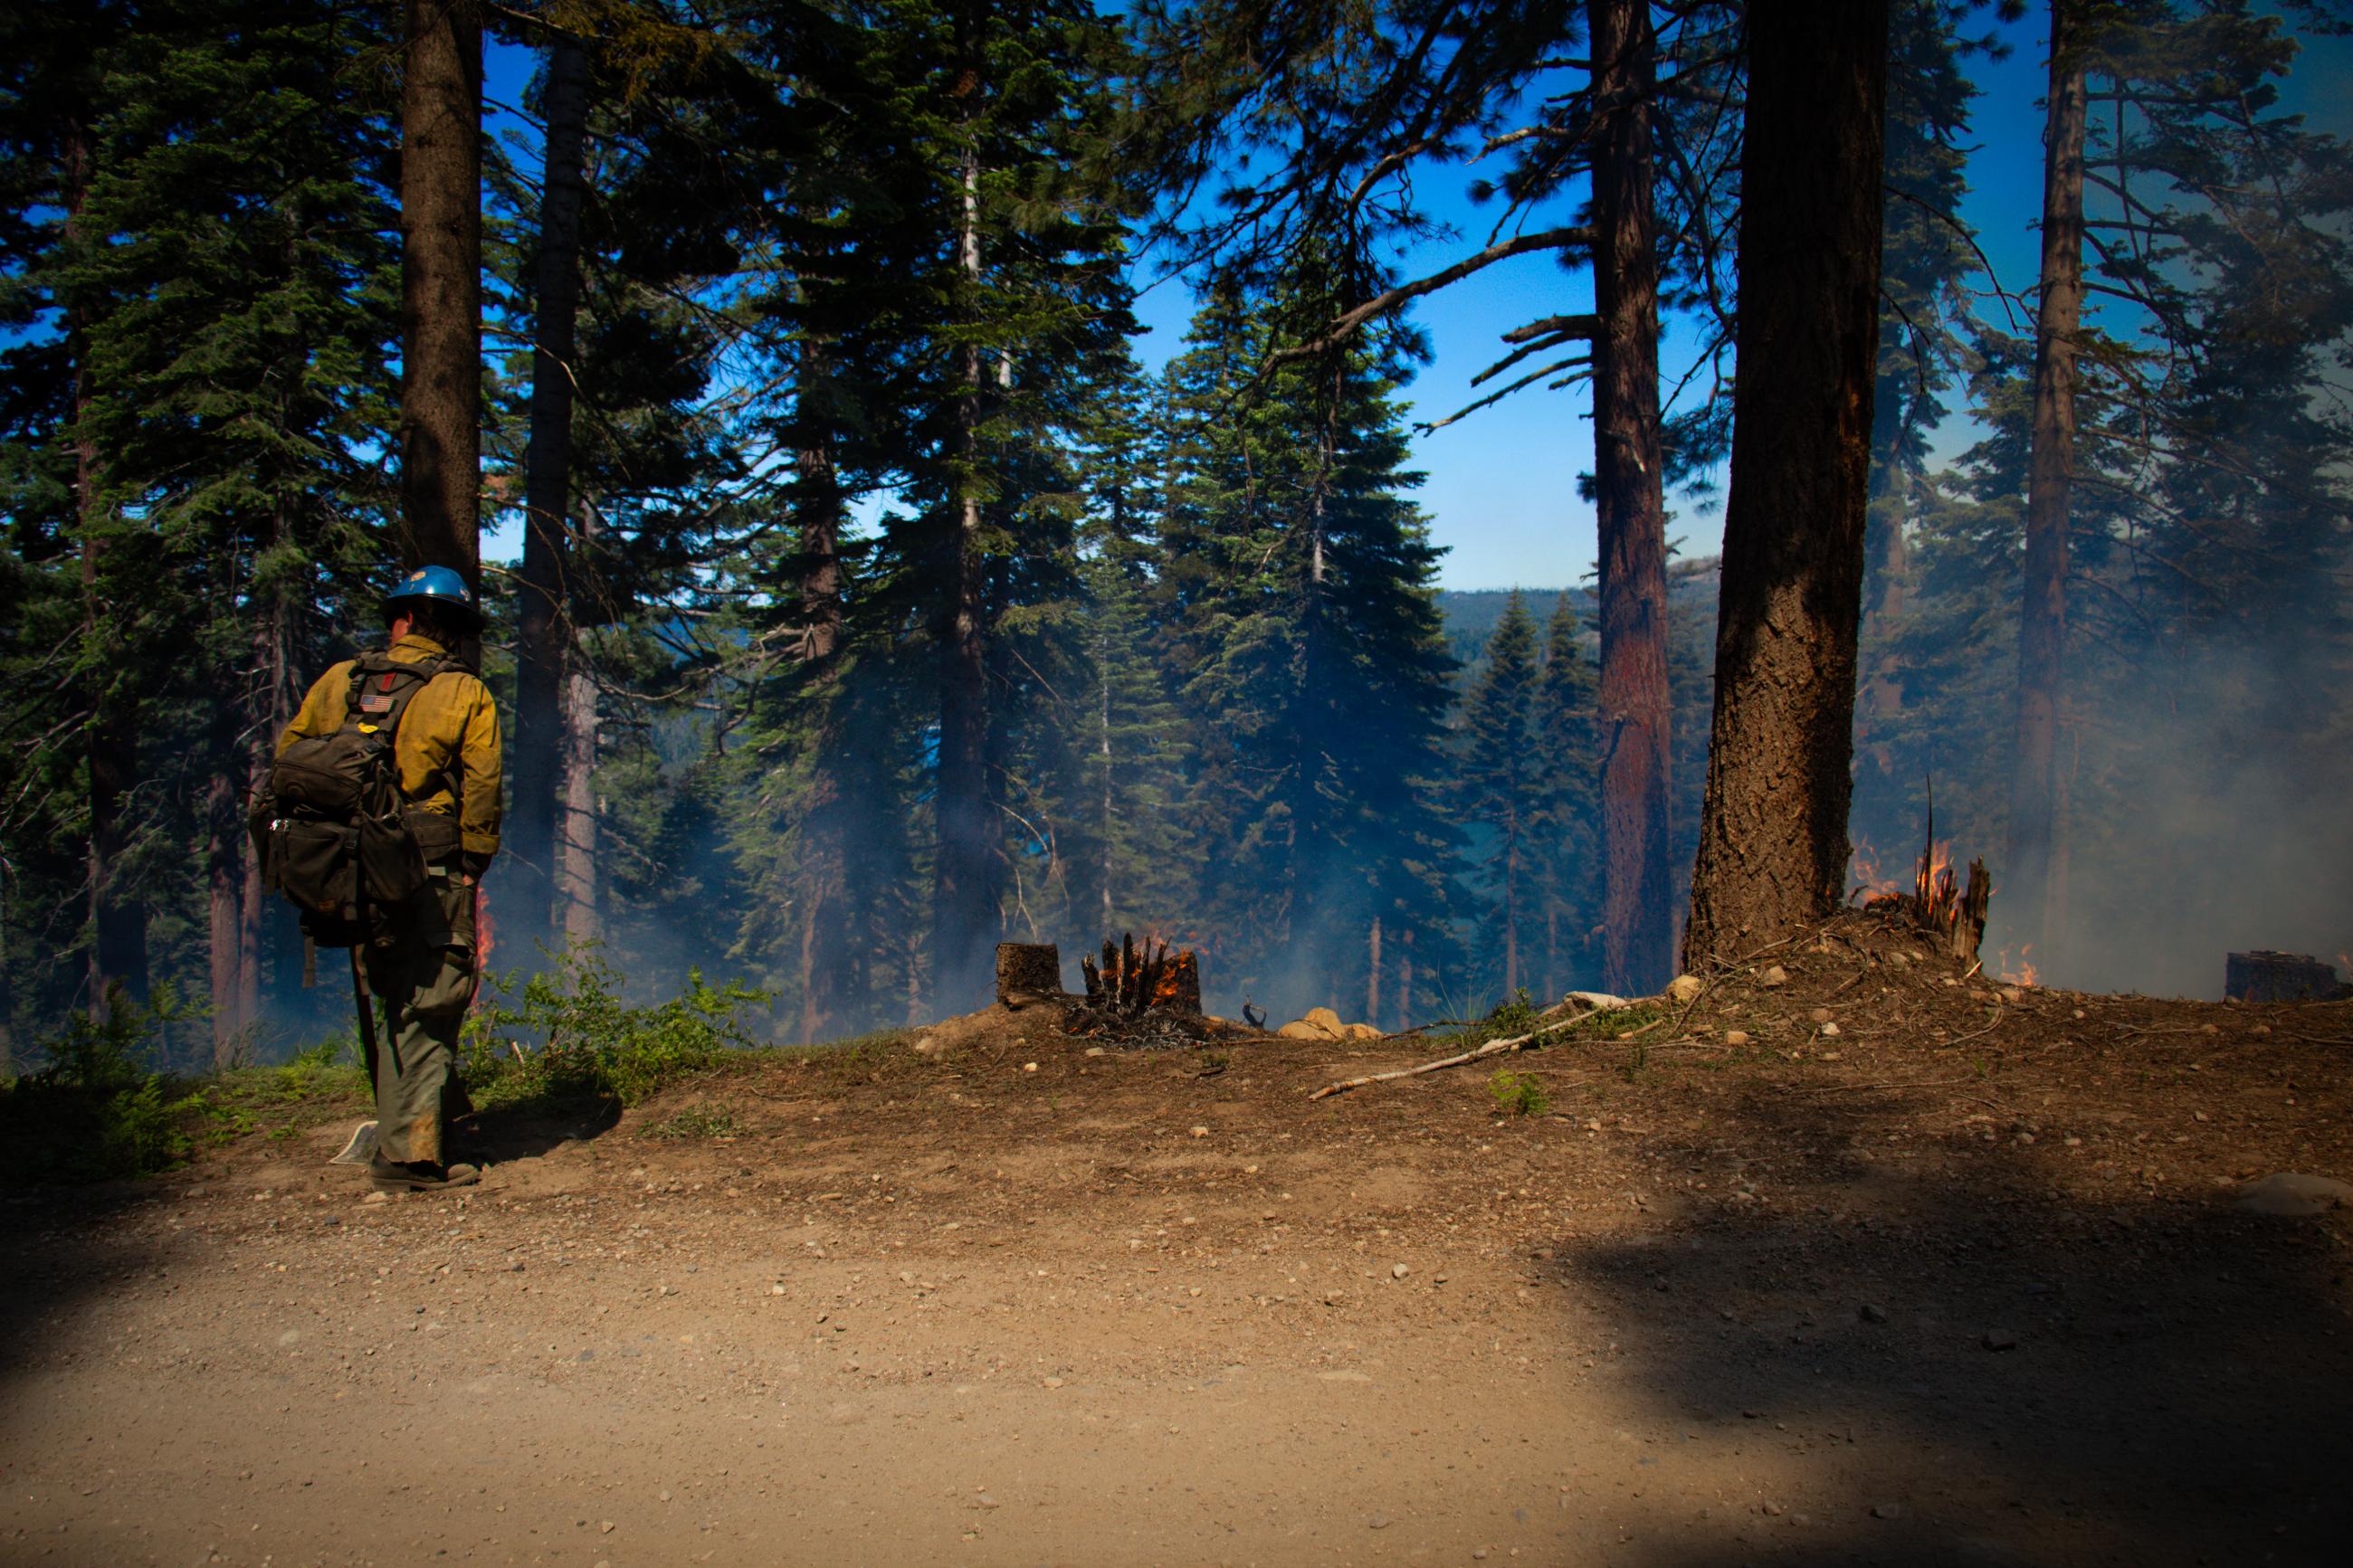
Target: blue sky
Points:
(1502, 486)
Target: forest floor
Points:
(1973, 1281)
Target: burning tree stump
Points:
(2265, 976)
(1950, 914)
(1130, 982)
(1028, 972)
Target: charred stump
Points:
(1131, 980)
(1028, 972)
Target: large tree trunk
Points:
(269, 708)
(440, 286)
(822, 866)
(543, 624)
(118, 919)
(575, 860)
(224, 892)
(1773, 843)
(960, 881)
(2034, 886)
(1630, 509)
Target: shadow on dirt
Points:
(65, 1248)
(528, 1128)
(1949, 1363)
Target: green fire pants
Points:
(425, 977)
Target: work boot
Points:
(420, 1175)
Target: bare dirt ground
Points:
(1969, 1282)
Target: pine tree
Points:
(1773, 846)
(1504, 776)
(1299, 589)
(1568, 715)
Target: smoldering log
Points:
(1131, 980)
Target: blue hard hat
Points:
(439, 584)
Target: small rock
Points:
(1378, 1522)
(1200, 1132)
(776, 1289)
(606, 1528)
(1684, 987)
(1829, 1028)
(1094, 1051)
(663, 1495)
(1775, 1509)
(1887, 1511)
(2295, 1196)
(1029, 1067)
(2012, 994)
(1735, 1036)
(1871, 1313)
(1053, 1383)
(1775, 976)
(1999, 1339)
(1399, 1271)
(377, 1198)
(1819, 1014)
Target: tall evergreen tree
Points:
(1504, 776)
(1567, 721)
(1300, 582)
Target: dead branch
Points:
(1491, 1048)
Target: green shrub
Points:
(695, 1121)
(94, 1109)
(1519, 1094)
(591, 1043)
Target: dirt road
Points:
(1930, 1296)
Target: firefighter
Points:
(420, 960)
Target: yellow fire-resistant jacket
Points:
(447, 753)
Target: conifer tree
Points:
(1569, 863)
(1299, 583)
(1505, 778)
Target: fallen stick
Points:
(1492, 1048)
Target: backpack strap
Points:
(381, 690)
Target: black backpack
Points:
(334, 833)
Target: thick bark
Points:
(2034, 887)
(1630, 509)
(1773, 843)
(543, 625)
(960, 905)
(440, 286)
